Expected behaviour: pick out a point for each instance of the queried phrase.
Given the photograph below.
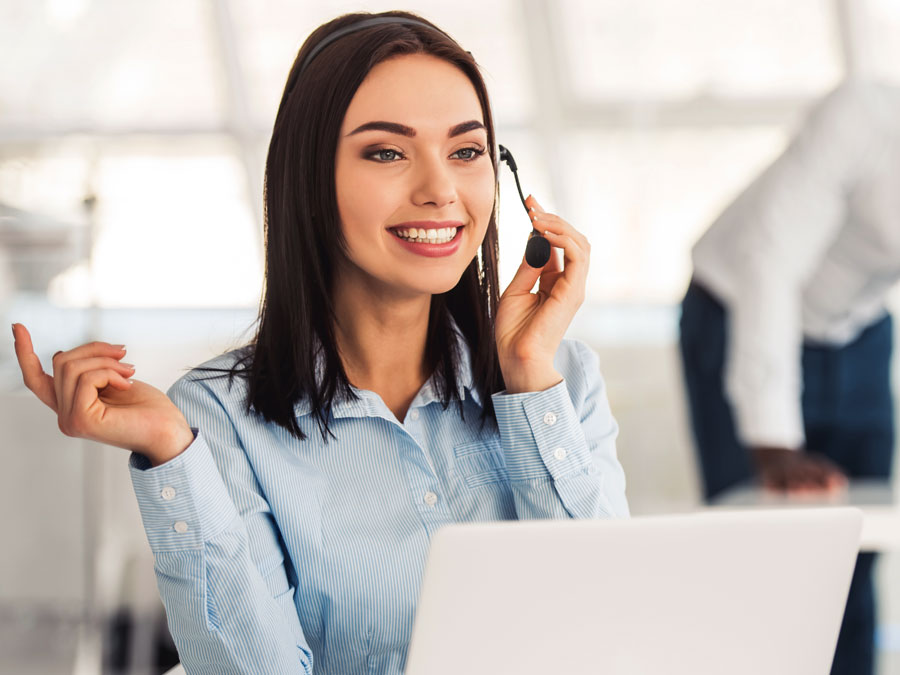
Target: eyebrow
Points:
(403, 130)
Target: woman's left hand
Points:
(530, 326)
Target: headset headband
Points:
(362, 25)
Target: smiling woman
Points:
(417, 179)
(406, 146)
(274, 547)
(423, 231)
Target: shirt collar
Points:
(369, 404)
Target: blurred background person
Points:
(785, 333)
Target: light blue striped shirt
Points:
(274, 554)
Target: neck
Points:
(381, 340)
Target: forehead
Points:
(419, 90)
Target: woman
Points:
(290, 508)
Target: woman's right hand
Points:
(93, 398)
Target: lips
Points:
(445, 239)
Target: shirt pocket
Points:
(481, 463)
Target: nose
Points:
(434, 185)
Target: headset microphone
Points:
(537, 251)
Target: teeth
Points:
(439, 236)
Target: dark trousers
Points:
(848, 416)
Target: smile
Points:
(433, 236)
(431, 242)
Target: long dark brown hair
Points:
(304, 239)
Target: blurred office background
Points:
(132, 144)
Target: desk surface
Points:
(876, 499)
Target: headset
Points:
(537, 250)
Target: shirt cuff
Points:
(183, 502)
(770, 423)
(541, 434)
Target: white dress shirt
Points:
(808, 251)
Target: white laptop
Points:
(736, 593)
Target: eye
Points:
(385, 155)
(469, 154)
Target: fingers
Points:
(828, 476)
(85, 351)
(33, 373)
(524, 280)
(574, 273)
(533, 205)
(89, 349)
(58, 390)
(548, 222)
(86, 406)
(526, 276)
(561, 235)
(71, 371)
(804, 475)
(818, 475)
(837, 481)
(554, 267)
(542, 220)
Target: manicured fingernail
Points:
(119, 347)
(128, 365)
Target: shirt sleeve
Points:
(219, 562)
(559, 444)
(783, 226)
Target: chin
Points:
(437, 286)
(439, 289)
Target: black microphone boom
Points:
(537, 251)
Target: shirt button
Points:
(430, 498)
(560, 453)
(414, 415)
(549, 418)
(181, 527)
(168, 493)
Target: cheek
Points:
(481, 190)
(362, 202)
